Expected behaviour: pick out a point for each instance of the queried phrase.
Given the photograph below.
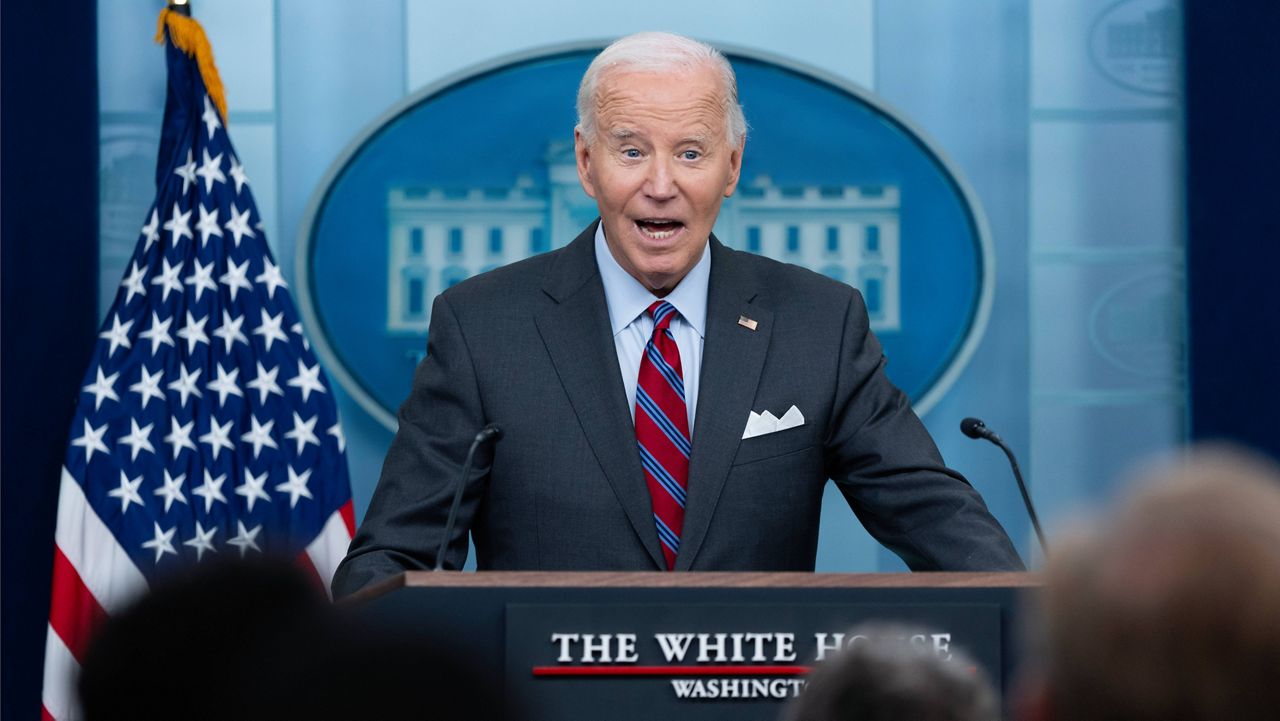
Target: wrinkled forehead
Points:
(684, 96)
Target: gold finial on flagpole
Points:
(186, 34)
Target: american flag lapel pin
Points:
(747, 323)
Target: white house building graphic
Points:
(438, 236)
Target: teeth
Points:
(669, 228)
(658, 234)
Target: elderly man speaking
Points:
(666, 403)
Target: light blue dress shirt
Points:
(632, 326)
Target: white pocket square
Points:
(759, 424)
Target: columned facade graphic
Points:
(438, 236)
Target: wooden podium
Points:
(619, 646)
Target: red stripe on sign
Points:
(671, 670)
(74, 613)
(348, 512)
(45, 715)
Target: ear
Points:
(735, 167)
(582, 154)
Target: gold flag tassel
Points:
(187, 35)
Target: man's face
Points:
(659, 167)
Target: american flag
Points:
(205, 427)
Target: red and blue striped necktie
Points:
(662, 429)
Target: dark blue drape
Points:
(48, 314)
(1233, 247)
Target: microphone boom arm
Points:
(974, 428)
(488, 432)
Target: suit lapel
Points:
(577, 334)
(732, 360)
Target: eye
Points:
(631, 153)
(690, 155)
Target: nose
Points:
(660, 183)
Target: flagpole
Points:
(203, 340)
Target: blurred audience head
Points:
(886, 676)
(1170, 609)
(260, 641)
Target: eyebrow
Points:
(628, 133)
(622, 135)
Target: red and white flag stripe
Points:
(92, 577)
(330, 545)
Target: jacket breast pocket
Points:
(771, 445)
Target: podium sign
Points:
(623, 646)
(705, 660)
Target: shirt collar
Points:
(627, 298)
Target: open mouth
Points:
(659, 228)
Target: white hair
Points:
(660, 52)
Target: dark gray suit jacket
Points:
(529, 347)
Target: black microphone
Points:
(489, 433)
(975, 428)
